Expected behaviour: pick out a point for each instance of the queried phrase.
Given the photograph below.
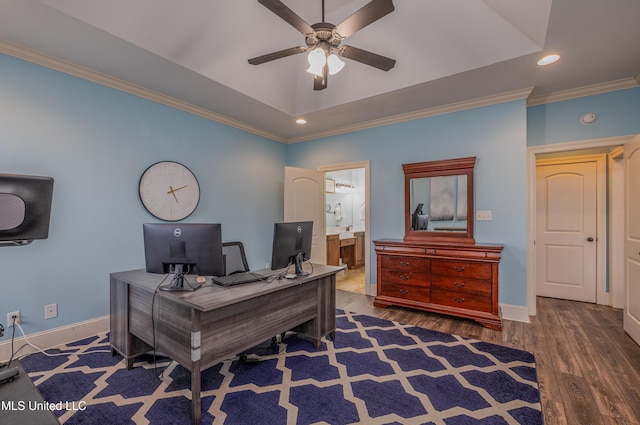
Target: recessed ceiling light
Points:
(301, 121)
(549, 59)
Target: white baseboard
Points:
(517, 313)
(53, 337)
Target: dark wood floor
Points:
(588, 367)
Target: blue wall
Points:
(96, 142)
(559, 122)
(495, 134)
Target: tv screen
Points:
(25, 208)
(183, 248)
(291, 245)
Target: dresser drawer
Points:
(405, 277)
(461, 285)
(394, 262)
(415, 293)
(461, 268)
(461, 300)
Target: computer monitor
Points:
(291, 245)
(25, 208)
(183, 248)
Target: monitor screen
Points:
(183, 248)
(25, 208)
(291, 244)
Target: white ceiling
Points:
(447, 51)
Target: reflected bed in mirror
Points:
(439, 200)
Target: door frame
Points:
(532, 153)
(369, 288)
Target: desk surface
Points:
(211, 296)
(19, 398)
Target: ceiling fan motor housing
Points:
(323, 31)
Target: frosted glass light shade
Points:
(317, 60)
(335, 64)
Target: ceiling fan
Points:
(323, 40)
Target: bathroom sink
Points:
(346, 235)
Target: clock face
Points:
(169, 191)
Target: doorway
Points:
(606, 289)
(347, 224)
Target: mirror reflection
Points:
(439, 204)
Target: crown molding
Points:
(97, 77)
(88, 74)
(423, 113)
(591, 90)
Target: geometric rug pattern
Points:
(375, 372)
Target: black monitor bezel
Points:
(284, 250)
(204, 250)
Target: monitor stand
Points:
(299, 259)
(177, 281)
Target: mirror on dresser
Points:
(439, 201)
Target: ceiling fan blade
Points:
(280, 9)
(320, 83)
(368, 58)
(277, 55)
(368, 14)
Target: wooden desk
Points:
(202, 328)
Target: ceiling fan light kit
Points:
(323, 40)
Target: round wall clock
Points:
(169, 191)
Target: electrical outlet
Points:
(483, 215)
(50, 311)
(10, 321)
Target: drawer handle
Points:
(458, 300)
(404, 291)
(461, 284)
(404, 263)
(458, 269)
(404, 277)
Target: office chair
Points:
(235, 260)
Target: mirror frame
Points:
(449, 167)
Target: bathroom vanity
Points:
(346, 245)
(437, 266)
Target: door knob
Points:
(589, 239)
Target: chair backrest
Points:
(235, 261)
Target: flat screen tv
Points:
(25, 208)
(183, 248)
(291, 245)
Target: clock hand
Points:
(173, 192)
(176, 189)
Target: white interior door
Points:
(566, 238)
(304, 201)
(631, 320)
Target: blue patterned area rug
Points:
(376, 372)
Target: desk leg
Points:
(195, 394)
(196, 378)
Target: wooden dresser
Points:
(455, 279)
